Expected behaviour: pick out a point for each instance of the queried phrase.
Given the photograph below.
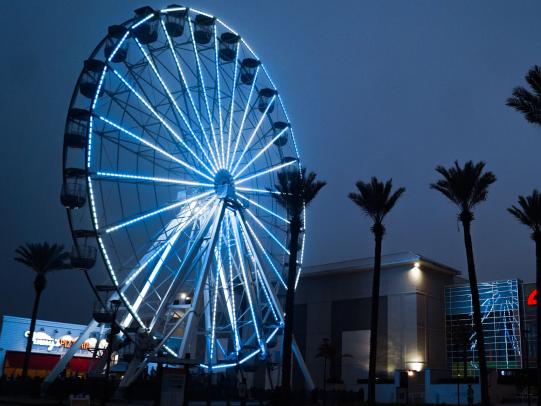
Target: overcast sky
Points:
(384, 88)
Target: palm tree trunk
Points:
(477, 323)
(29, 341)
(295, 228)
(374, 320)
(538, 315)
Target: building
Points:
(425, 319)
(51, 340)
(333, 302)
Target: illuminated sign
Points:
(532, 298)
(41, 338)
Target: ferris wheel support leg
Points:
(193, 318)
(68, 355)
(187, 263)
(208, 316)
(302, 365)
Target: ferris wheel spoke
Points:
(159, 117)
(214, 311)
(232, 107)
(187, 89)
(247, 282)
(265, 171)
(265, 254)
(125, 177)
(231, 281)
(152, 277)
(257, 191)
(192, 321)
(165, 243)
(219, 93)
(261, 152)
(263, 208)
(202, 80)
(227, 293)
(156, 212)
(258, 269)
(260, 224)
(177, 108)
(188, 263)
(156, 148)
(244, 114)
(254, 132)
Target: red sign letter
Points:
(532, 299)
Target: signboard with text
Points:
(49, 337)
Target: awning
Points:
(37, 361)
(45, 361)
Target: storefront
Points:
(51, 340)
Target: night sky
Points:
(384, 88)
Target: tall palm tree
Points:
(376, 199)
(529, 214)
(466, 187)
(526, 102)
(296, 190)
(42, 259)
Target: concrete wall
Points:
(411, 328)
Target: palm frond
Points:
(529, 212)
(375, 198)
(42, 257)
(526, 102)
(297, 189)
(466, 186)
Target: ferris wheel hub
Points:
(224, 185)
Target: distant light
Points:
(183, 296)
(416, 264)
(410, 372)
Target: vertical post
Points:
(115, 304)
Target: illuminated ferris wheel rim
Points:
(217, 168)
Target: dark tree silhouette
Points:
(42, 259)
(529, 214)
(376, 199)
(329, 352)
(296, 190)
(466, 187)
(526, 102)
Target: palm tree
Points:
(376, 199)
(42, 259)
(529, 214)
(328, 351)
(296, 190)
(526, 102)
(466, 187)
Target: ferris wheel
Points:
(173, 141)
